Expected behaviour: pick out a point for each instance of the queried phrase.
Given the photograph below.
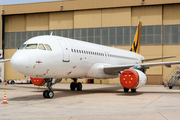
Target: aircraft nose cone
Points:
(20, 62)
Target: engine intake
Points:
(37, 81)
(132, 78)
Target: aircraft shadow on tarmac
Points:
(60, 93)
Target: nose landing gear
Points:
(48, 93)
(75, 85)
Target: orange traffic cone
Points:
(4, 101)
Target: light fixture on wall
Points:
(3, 11)
(62, 7)
(143, 1)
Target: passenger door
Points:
(65, 49)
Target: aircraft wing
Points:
(5, 60)
(111, 69)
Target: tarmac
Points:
(94, 102)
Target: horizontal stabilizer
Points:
(151, 59)
(5, 60)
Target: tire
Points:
(50, 94)
(12, 82)
(45, 94)
(73, 86)
(79, 86)
(30, 82)
(170, 87)
(126, 90)
(133, 90)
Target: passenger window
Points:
(22, 46)
(72, 50)
(48, 47)
(31, 46)
(41, 46)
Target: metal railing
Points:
(173, 79)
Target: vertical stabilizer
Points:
(137, 39)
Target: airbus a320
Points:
(48, 59)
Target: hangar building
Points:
(106, 22)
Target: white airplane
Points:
(48, 59)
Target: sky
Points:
(10, 2)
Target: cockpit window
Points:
(41, 46)
(31, 46)
(22, 46)
(48, 47)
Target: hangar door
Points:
(66, 55)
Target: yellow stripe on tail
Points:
(137, 39)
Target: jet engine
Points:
(132, 78)
(37, 81)
(41, 81)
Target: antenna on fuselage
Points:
(51, 33)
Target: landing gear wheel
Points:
(126, 89)
(45, 94)
(48, 94)
(73, 86)
(133, 90)
(170, 87)
(12, 82)
(79, 86)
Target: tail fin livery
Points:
(137, 39)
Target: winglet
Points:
(137, 39)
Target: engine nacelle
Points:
(37, 81)
(132, 78)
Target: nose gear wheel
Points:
(48, 93)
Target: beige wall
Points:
(171, 14)
(15, 23)
(79, 5)
(9, 73)
(116, 17)
(152, 52)
(149, 15)
(37, 22)
(87, 19)
(61, 20)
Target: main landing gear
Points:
(48, 93)
(127, 90)
(75, 85)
